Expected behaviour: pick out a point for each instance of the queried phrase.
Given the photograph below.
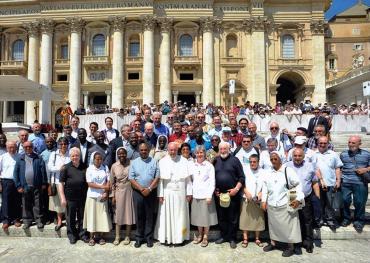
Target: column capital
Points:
(218, 27)
(257, 24)
(175, 92)
(308, 91)
(86, 93)
(148, 22)
(76, 24)
(198, 93)
(273, 89)
(165, 23)
(117, 22)
(32, 28)
(46, 26)
(207, 24)
(108, 92)
(318, 27)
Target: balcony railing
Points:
(96, 61)
(61, 62)
(232, 61)
(134, 60)
(291, 62)
(186, 61)
(349, 75)
(13, 66)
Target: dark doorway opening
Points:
(286, 91)
(100, 100)
(189, 99)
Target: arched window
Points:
(64, 50)
(98, 45)
(186, 45)
(288, 46)
(134, 46)
(231, 46)
(18, 50)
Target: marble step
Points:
(342, 233)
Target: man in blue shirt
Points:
(159, 128)
(144, 176)
(37, 138)
(356, 163)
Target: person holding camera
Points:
(356, 165)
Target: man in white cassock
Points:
(174, 193)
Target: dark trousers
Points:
(11, 202)
(306, 218)
(144, 209)
(74, 219)
(48, 215)
(228, 218)
(316, 206)
(327, 211)
(32, 205)
(359, 193)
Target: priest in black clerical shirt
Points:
(229, 179)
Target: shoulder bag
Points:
(52, 187)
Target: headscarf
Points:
(157, 145)
(119, 148)
(91, 163)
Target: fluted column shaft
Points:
(148, 63)
(165, 61)
(208, 61)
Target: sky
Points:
(340, 5)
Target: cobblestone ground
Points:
(17, 250)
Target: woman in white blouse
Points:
(96, 218)
(203, 209)
(283, 222)
(57, 160)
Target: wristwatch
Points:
(150, 189)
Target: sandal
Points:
(258, 243)
(198, 239)
(204, 242)
(102, 242)
(126, 241)
(91, 242)
(116, 242)
(245, 243)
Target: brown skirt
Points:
(125, 212)
(252, 217)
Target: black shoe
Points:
(268, 248)
(85, 239)
(220, 241)
(58, 227)
(345, 223)
(232, 244)
(333, 227)
(309, 250)
(297, 250)
(73, 241)
(26, 226)
(40, 225)
(149, 243)
(358, 228)
(288, 252)
(137, 244)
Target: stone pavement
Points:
(52, 250)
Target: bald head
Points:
(11, 147)
(173, 149)
(298, 156)
(354, 143)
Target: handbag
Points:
(292, 195)
(52, 187)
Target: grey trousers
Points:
(32, 205)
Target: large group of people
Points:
(164, 177)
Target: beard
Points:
(224, 156)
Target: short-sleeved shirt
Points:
(98, 176)
(259, 140)
(353, 161)
(143, 171)
(327, 162)
(74, 180)
(306, 174)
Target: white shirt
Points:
(244, 155)
(110, 135)
(253, 180)
(74, 133)
(56, 162)
(83, 148)
(309, 155)
(97, 176)
(265, 162)
(274, 189)
(7, 163)
(90, 138)
(203, 175)
(327, 163)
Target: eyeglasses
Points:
(323, 143)
(274, 128)
(215, 140)
(27, 146)
(169, 117)
(63, 143)
(247, 141)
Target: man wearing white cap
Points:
(226, 137)
(300, 143)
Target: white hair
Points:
(74, 150)
(157, 113)
(148, 124)
(224, 144)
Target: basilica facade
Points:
(115, 52)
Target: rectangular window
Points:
(357, 47)
(186, 76)
(356, 31)
(62, 77)
(134, 50)
(133, 76)
(332, 63)
(64, 51)
(97, 76)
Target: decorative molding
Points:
(318, 27)
(148, 22)
(165, 24)
(258, 24)
(32, 28)
(218, 27)
(207, 24)
(47, 26)
(117, 22)
(76, 24)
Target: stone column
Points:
(86, 98)
(165, 60)
(5, 111)
(148, 22)
(217, 44)
(207, 25)
(46, 69)
(76, 25)
(109, 97)
(318, 56)
(117, 23)
(273, 93)
(32, 68)
(197, 96)
(175, 93)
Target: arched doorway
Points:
(290, 87)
